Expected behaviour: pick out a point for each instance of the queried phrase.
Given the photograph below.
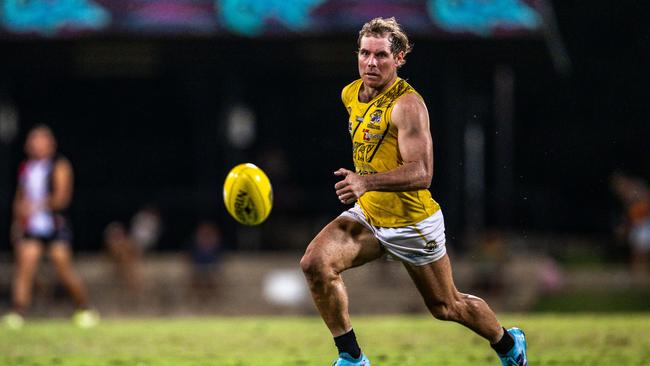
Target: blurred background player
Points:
(634, 228)
(44, 192)
(126, 257)
(205, 252)
(394, 212)
(146, 228)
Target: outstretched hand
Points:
(351, 187)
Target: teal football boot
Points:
(346, 360)
(517, 355)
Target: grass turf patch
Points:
(554, 339)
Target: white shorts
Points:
(418, 244)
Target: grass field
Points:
(568, 339)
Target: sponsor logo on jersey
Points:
(362, 168)
(367, 135)
(375, 117)
(375, 120)
(362, 152)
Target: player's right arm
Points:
(411, 118)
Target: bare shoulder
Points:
(63, 164)
(409, 110)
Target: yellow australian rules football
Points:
(247, 194)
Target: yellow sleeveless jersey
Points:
(374, 149)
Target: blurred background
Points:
(539, 113)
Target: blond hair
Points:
(380, 27)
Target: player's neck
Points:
(367, 93)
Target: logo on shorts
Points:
(432, 245)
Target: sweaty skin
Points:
(345, 243)
(411, 118)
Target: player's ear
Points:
(399, 58)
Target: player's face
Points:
(40, 144)
(377, 64)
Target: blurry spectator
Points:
(634, 194)
(125, 254)
(40, 225)
(146, 228)
(550, 276)
(205, 253)
(490, 258)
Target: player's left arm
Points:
(411, 118)
(62, 185)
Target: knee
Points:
(456, 309)
(442, 311)
(311, 265)
(449, 309)
(316, 268)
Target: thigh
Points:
(434, 280)
(60, 253)
(28, 252)
(345, 243)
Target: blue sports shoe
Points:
(346, 360)
(517, 355)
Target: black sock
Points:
(505, 344)
(348, 343)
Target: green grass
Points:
(621, 340)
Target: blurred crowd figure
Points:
(125, 255)
(127, 246)
(146, 227)
(490, 257)
(43, 195)
(634, 227)
(498, 277)
(205, 253)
